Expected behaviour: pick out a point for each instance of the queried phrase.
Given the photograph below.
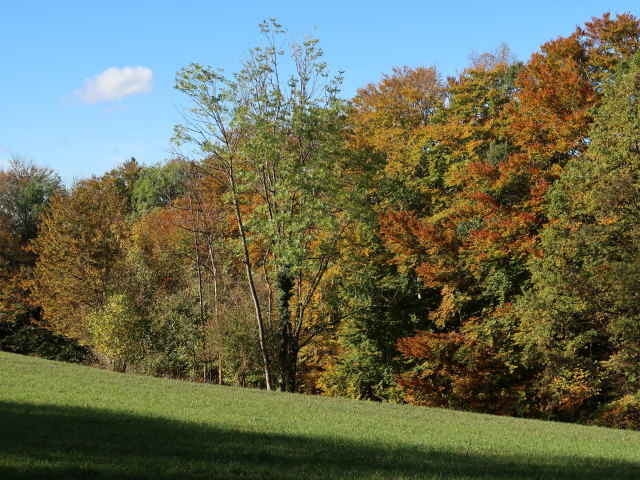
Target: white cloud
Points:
(114, 84)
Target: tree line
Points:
(469, 242)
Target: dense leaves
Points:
(580, 319)
(469, 242)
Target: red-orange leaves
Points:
(562, 82)
(454, 371)
(608, 41)
(551, 115)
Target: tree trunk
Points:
(293, 364)
(284, 285)
(252, 286)
(196, 246)
(216, 314)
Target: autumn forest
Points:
(469, 242)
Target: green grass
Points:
(60, 421)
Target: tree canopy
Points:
(468, 242)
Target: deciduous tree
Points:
(80, 255)
(271, 143)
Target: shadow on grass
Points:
(82, 443)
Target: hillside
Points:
(68, 421)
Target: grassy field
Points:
(67, 421)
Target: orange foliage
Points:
(552, 113)
(455, 372)
(391, 117)
(607, 41)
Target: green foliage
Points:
(231, 344)
(159, 185)
(118, 332)
(270, 137)
(25, 190)
(383, 309)
(28, 338)
(469, 243)
(123, 179)
(379, 305)
(580, 319)
(364, 368)
(174, 337)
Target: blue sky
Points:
(86, 85)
